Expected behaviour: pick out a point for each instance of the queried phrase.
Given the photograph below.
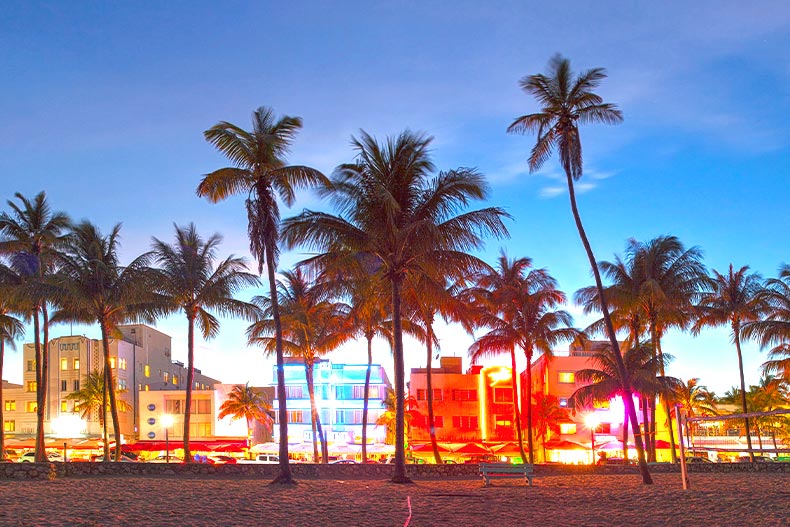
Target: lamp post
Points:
(167, 422)
(591, 420)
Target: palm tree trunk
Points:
(103, 413)
(516, 405)
(40, 395)
(109, 390)
(666, 401)
(625, 436)
(190, 380)
(399, 475)
(624, 379)
(429, 386)
(645, 420)
(529, 407)
(2, 401)
(285, 476)
(308, 370)
(369, 338)
(736, 333)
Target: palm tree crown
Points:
(245, 402)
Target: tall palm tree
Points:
(733, 299)
(11, 329)
(774, 330)
(94, 288)
(92, 397)
(312, 325)
(403, 222)
(565, 102)
(260, 171)
(694, 399)
(245, 402)
(30, 235)
(520, 308)
(187, 280)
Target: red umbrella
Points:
(427, 447)
(506, 448)
(564, 445)
(660, 443)
(472, 448)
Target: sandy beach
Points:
(748, 499)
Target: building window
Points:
(295, 416)
(293, 392)
(112, 362)
(147, 387)
(567, 428)
(76, 364)
(166, 376)
(31, 386)
(10, 406)
(563, 402)
(76, 385)
(31, 365)
(175, 380)
(438, 421)
(464, 395)
(465, 421)
(201, 406)
(9, 426)
(122, 363)
(503, 395)
(64, 364)
(147, 370)
(122, 384)
(31, 407)
(422, 395)
(64, 406)
(603, 428)
(174, 406)
(566, 377)
(601, 405)
(64, 385)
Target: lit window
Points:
(9, 426)
(146, 387)
(10, 406)
(64, 406)
(603, 405)
(76, 407)
(147, 370)
(31, 386)
(64, 364)
(175, 380)
(112, 362)
(76, 364)
(166, 376)
(563, 402)
(567, 428)
(567, 377)
(31, 407)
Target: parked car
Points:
(343, 462)
(618, 461)
(124, 458)
(269, 459)
(10, 455)
(222, 460)
(162, 458)
(757, 459)
(30, 457)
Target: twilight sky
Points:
(103, 107)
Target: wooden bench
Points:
(491, 471)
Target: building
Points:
(476, 405)
(339, 395)
(140, 361)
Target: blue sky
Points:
(103, 106)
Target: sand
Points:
(732, 500)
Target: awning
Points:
(564, 444)
(472, 448)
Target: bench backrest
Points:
(506, 468)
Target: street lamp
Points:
(167, 422)
(591, 420)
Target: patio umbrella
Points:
(660, 443)
(269, 448)
(344, 449)
(427, 447)
(614, 445)
(506, 448)
(472, 448)
(564, 445)
(379, 448)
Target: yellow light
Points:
(167, 420)
(591, 420)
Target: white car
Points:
(268, 459)
(30, 457)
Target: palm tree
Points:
(260, 171)
(694, 399)
(548, 415)
(774, 330)
(245, 402)
(11, 329)
(394, 216)
(92, 397)
(770, 394)
(94, 288)
(734, 299)
(520, 308)
(312, 326)
(188, 281)
(603, 382)
(565, 102)
(31, 235)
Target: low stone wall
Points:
(339, 471)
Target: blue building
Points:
(339, 394)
